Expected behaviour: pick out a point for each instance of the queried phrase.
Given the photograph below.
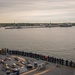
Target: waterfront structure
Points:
(66, 25)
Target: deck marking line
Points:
(29, 72)
(44, 71)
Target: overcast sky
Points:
(37, 11)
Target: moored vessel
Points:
(66, 25)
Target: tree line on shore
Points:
(31, 24)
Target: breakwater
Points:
(42, 57)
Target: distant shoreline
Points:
(34, 25)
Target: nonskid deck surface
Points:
(50, 68)
(53, 71)
(10, 60)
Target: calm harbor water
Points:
(57, 41)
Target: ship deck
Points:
(50, 68)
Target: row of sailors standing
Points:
(42, 57)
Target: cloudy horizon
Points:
(37, 11)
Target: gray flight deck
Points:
(50, 68)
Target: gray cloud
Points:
(37, 10)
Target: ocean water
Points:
(56, 41)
